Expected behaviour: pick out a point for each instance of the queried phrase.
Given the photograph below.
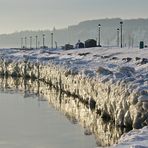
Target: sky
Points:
(18, 15)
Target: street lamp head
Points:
(99, 25)
(121, 22)
(118, 29)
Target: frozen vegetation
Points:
(112, 81)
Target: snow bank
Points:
(137, 138)
(113, 82)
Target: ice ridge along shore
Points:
(114, 82)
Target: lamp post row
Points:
(99, 38)
(24, 41)
(119, 31)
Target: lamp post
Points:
(51, 40)
(118, 37)
(121, 23)
(36, 41)
(21, 42)
(30, 42)
(25, 42)
(99, 35)
(56, 44)
(43, 40)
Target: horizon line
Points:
(66, 27)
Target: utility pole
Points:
(99, 35)
(121, 23)
(118, 37)
(30, 42)
(51, 40)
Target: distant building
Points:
(90, 43)
(80, 45)
(68, 47)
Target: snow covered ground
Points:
(104, 64)
(137, 138)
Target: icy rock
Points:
(103, 71)
(144, 92)
(87, 132)
(88, 73)
(143, 98)
(146, 76)
(137, 58)
(92, 104)
(138, 146)
(127, 119)
(128, 59)
(120, 118)
(114, 58)
(145, 105)
(127, 71)
(67, 73)
(134, 99)
(129, 79)
(74, 71)
(137, 122)
(144, 61)
(105, 57)
(118, 75)
(105, 116)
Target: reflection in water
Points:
(29, 123)
(73, 108)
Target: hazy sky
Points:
(17, 15)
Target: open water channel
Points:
(28, 121)
(36, 115)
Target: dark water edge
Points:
(32, 123)
(74, 109)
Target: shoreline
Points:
(75, 110)
(111, 100)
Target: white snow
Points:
(137, 138)
(104, 64)
(119, 64)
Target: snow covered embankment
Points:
(112, 101)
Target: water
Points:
(34, 114)
(31, 123)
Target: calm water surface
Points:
(30, 123)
